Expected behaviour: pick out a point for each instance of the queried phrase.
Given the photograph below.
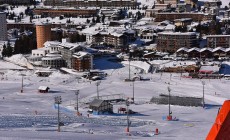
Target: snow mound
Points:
(20, 60)
(139, 64)
(59, 74)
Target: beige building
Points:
(172, 41)
(43, 34)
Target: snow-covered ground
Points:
(32, 115)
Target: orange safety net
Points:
(220, 129)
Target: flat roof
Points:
(177, 33)
(218, 36)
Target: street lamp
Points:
(129, 69)
(203, 83)
(22, 83)
(169, 116)
(127, 110)
(97, 84)
(133, 90)
(58, 101)
(77, 93)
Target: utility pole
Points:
(203, 83)
(97, 84)
(58, 101)
(77, 93)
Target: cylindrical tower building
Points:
(43, 33)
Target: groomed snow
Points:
(32, 115)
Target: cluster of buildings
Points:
(156, 28)
(219, 52)
(117, 37)
(56, 54)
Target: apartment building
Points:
(194, 16)
(50, 12)
(16, 2)
(118, 37)
(3, 27)
(214, 41)
(227, 14)
(116, 40)
(82, 61)
(171, 2)
(92, 3)
(172, 41)
(67, 50)
(21, 26)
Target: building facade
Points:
(117, 41)
(214, 41)
(194, 16)
(82, 61)
(66, 12)
(227, 14)
(67, 50)
(43, 34)
(16, 2)
(53, 61)
(21, 26)
(3, 27)
(92, 3)
(172, 41)
(172, 2)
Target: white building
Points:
(41, 52)
(53, 46)
(3, 27)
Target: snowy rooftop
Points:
(80, 54)
(177, 33)
(70, 46)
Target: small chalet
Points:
(43, 89)
(101, 107)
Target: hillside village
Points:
(56, 34)
(124, 61)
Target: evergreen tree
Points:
(9, 50)
(103, 18)
(4, 51)
(17, 47)
(98, 19)
(88, 21)
(93, 20)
